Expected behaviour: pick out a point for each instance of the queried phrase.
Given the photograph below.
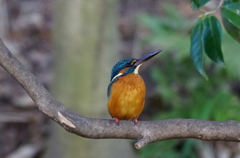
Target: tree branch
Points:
(145, 131)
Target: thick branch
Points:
(145, 131)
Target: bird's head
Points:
(130, 65)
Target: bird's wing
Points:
(110, 86)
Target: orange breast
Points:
(127, 97)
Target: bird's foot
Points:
(116, 120)
(135, 120)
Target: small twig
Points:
(220, 4)
(203, 11)
(211, 11)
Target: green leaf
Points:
(196, 4)
(232, 13)
(231, 29)
(212, 38)
(230, 1)
(196, 48)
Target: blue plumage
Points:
(110, 86)
(122, 64)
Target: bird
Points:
(126, 90)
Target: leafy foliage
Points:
(189, 96)
(192, 97)
(227, 14)
(206, 37)
(184, 93)
(171, 30)
(212, 37)
(196, 47)
(207, 32)
(232, 13)
(198, 3)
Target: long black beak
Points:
(146, 57)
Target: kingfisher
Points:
(126, 91)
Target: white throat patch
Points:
(135, 72)
(116, 76)
(137, 68)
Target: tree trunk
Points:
(85, 44)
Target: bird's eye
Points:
(133, 62)
(129, 64)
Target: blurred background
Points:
(71, 46)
